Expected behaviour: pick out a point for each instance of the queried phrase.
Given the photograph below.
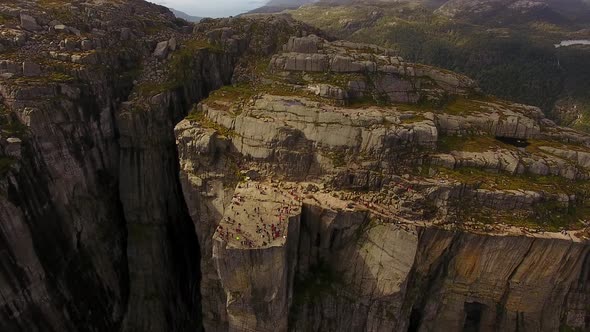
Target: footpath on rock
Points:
(253, 174)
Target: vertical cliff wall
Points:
(162, 248)
(471, 282)
(63, 229)
(428, 280)
(95, 231)
(95, 234)
(99, 217)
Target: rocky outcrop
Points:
(377, 71)
(94, 221)
(256, 261)
(372, 250)
(346, 219)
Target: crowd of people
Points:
(264, 220)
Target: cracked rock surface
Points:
(251, 174)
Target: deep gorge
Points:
(117, 187)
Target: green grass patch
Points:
(549, 216)
(413, 119)
(201, 118)
(536, 144)
(153, 88)
(60, 77)
(181, 68)
(58, 11)
(338, 158)
(463, 106)
(232, 93)
(503, 181)
(475, 143)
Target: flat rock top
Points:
(258, 216)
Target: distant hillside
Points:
(550, 10)
(185, 16)
(288, 3)
(487, 8)
(274, 6)
(506, 45)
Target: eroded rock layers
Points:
(328, 186)
(419, 205)
(96, 234)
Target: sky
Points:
(212, 8)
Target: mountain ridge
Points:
(185, 16)
(491, 48)
(275, 6)
(255, 173)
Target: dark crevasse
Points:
(162, 250)
(93, 219)
(96, 233)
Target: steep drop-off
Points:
(327, 186)
(96, 235)
(360, 192)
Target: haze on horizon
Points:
(212, 8)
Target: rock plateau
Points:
(252, 174)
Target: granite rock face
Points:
(369, 70)
(68, 245)
(414, 217)
(319, 185)
(96, 232)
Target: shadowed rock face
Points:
(111, 203)
(391, 274)
(96, 234)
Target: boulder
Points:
(172, 44)
(329, 91)
(13, 148)
(125, 34)
(161, 50)
(344, 64)
(29, 23)
(307, 44)
(86, 45)
(70, 44)
(31, 69)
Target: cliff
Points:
(424, 203)
(248, 174)
(96, 235)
